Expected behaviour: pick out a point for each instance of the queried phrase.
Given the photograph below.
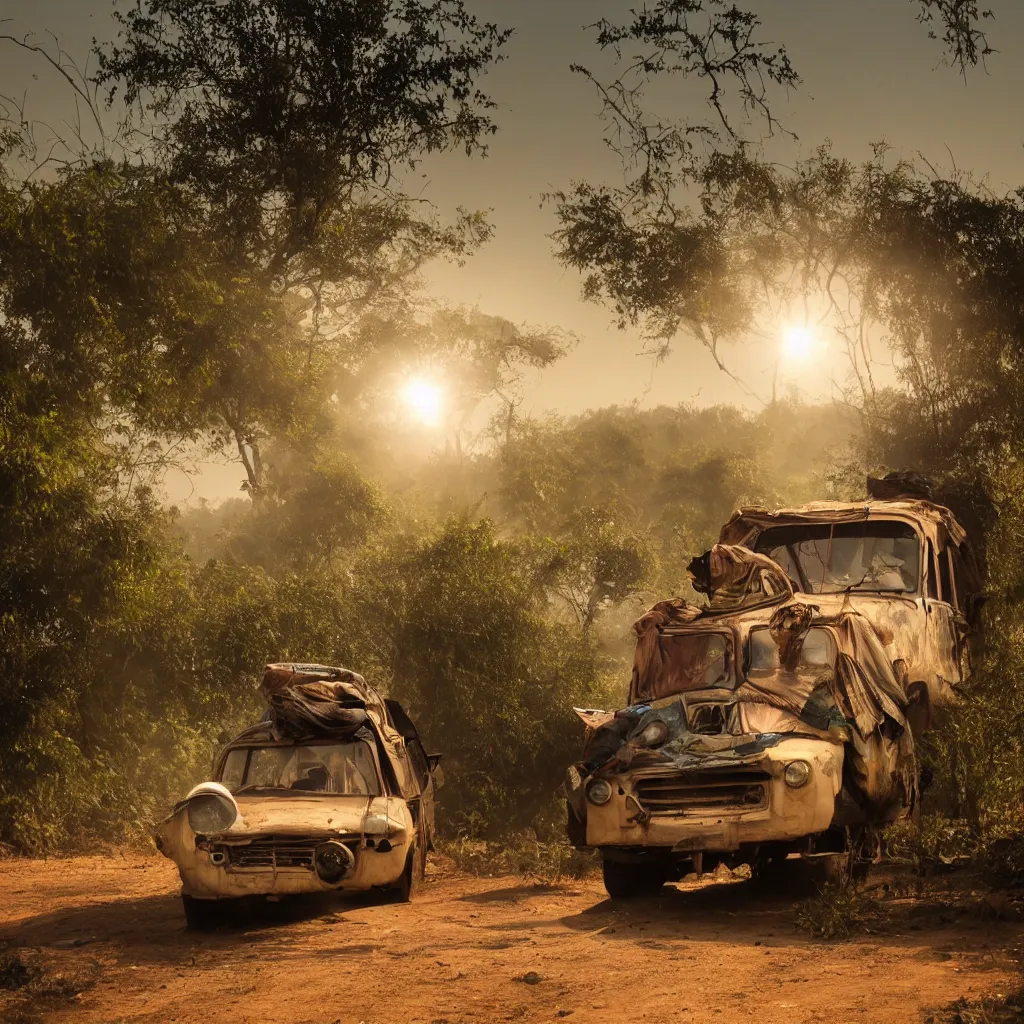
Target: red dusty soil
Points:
(707, 952)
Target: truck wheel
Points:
(838, 868)
(777, 873)
(202, 915)
(575, 829)
(627, 881)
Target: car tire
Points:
(407, 885)
(629, 881)
(201, 915)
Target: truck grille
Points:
(703, 791)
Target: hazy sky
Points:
(869, 71)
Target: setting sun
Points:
(424, 399)
(797, 342)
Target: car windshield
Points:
(314, 768)
(826, 558)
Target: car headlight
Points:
(652, 735)
(599, 791)
(211, 812)
(797, 773)
(333, 861)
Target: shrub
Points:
(835, 913)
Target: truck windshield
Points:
(684, 662)
(313, 768)
(826, 558)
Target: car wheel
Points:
(202, 915)
(421, 861)
(627, 881)
(405, 888)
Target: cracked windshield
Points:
(323, 768)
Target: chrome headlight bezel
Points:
(333, 861)
(210, 808)
(210, 813)
(599, 792)
(797, 774)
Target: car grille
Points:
(681, 793)
(275, 853)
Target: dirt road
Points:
(473, 950)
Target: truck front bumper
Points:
(650, 807)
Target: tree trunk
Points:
(249, 452)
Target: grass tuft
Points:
(521, 854)
(835, 913)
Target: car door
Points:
(944, 639)
(422, 766)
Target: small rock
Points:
(563, 1013)
(530, 978)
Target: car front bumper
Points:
(202, 878)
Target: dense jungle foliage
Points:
(235, 270)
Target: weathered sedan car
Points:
(332, 791)
(772, 721)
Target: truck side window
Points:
(959, 577)
(933, 586)
(944, 577)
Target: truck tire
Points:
(628, 881)
(201, 915)
(575, 829)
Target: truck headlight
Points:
(797, 773)
(599, 792)
(652, 735)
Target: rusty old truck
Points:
(779, 719)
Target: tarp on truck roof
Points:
(934, 518)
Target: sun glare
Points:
(797, 342)
(424, 400)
